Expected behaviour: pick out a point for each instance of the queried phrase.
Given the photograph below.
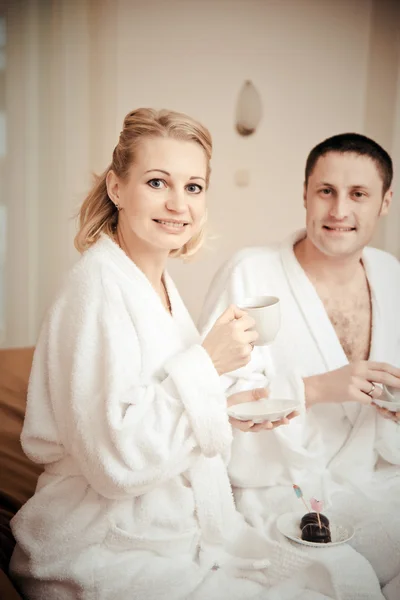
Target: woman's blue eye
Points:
(193, 188)
(156, 183)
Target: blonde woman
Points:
(125, 406)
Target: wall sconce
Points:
(248, 109)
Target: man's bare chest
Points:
(351, 318)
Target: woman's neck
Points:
(151, 263)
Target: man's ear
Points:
(387, 200)
(305, 194)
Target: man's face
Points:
(344, 200)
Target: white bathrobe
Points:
(346, 454)
(128, 415)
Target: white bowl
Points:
(263, 410)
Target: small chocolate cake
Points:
(312, 532)
(312, 517)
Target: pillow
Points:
(18, 475)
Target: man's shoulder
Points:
(242, 272)
(382, 259)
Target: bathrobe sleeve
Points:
(387, 442)
(387, 288)
(88, 401)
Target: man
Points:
(339, 339)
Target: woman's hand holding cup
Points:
(231, 339)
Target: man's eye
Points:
(326, 191)
(156, 183)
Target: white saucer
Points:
(392, 394)
(389, 399)
(289, 525)
(392, 406)
(263, 410)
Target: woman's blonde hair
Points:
(98, 214)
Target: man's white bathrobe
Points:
(128, 415)
(346, 454)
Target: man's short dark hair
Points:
(356, 144)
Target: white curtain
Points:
(59, 113)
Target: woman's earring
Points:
(117, 206)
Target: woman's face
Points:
(163, 199)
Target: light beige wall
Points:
(381, 97)
(98, 59)
(391, 229)
(309, 61)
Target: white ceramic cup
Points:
(266, 312)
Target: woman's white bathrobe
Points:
(346, 454)
(128, 415)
